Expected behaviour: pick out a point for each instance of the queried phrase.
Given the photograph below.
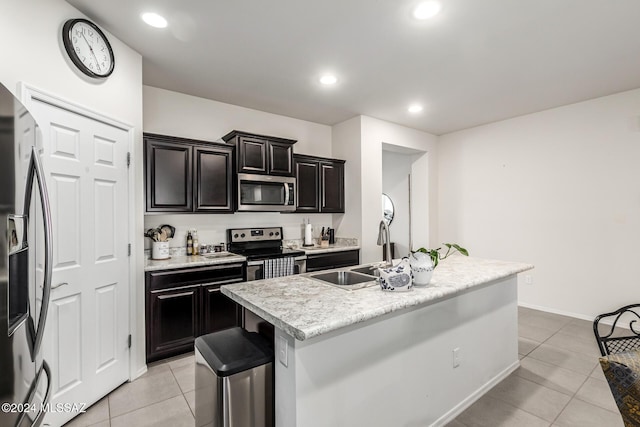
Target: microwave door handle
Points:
(35, 171)
(286, 194)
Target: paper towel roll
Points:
(308, 238)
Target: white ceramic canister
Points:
(422, 268)
(396, 278)
(160, 250)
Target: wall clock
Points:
(88, 48)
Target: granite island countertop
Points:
(187, 261)
(305, 308)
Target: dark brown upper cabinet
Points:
(186, 175)
(213, 179)
(307, 172)
(320, 184)
(169, 176)
(261, 154)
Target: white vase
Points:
(421, 267)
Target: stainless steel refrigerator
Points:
(25, 267)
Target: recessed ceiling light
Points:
(154, 20)
(427, 10)
(328, 79)
(415, 108)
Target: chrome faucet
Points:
(384, 239)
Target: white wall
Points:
(32, 52)
(375, 133)
(560, 189)
(345, 140)
(176, 114)
(212, 227)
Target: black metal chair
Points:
(611, 343)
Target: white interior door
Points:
(86, 336)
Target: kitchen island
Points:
(368, 357)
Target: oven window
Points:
(261, 193)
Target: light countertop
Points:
(338, 247)
(184, 261)
(305, 308)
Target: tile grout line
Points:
(575, 394)
(180, 388)
(129, 382)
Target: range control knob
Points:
(277, 233)
(235, 235)
(242, 235)
(271, 234)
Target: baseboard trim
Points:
(554, 311)
(473, 397)
(569, 314)
(140, 372)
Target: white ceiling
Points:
(476, 62)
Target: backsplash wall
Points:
(212, 228)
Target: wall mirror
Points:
(387, 208)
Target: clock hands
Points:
(91, 50)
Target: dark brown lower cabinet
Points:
(183, 304)
(218, 311)
(174, 320)
(329, 260)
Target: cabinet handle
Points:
(223, 282)
(183, 294)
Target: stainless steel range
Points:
(266, 258)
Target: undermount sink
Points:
(346, 279)
(218, 255)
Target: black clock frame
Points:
(68, 46)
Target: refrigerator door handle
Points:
(35, 171)
(37, 419)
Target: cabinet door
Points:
(168, 176)
(213, 179)
(280, 159)
(252, 155)
(332, 187)
(172, 321)
(308, 182)
(218, 311)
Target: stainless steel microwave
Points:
(266, 193)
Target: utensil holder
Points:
(159, 250)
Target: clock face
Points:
(88, 48)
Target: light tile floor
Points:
(559, 384)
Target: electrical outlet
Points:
(456, 357)
(528, 279)
(282, 350)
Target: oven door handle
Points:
(253, 263)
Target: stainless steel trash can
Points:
(234, 380)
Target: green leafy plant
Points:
(436, 256)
